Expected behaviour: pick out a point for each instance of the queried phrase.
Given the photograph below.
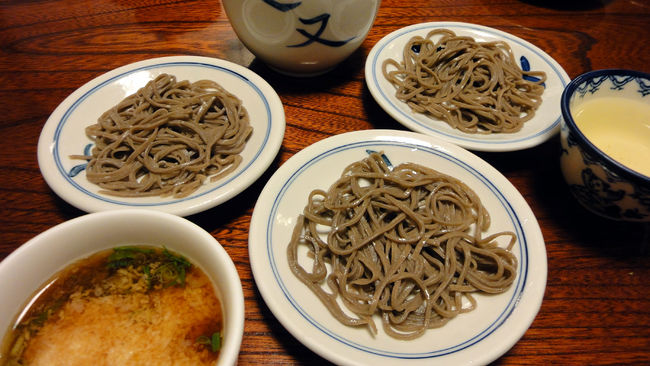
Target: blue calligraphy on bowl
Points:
(323, 19)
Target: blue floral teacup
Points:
(601, 175)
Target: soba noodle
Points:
(476, 87)
(167, 138)
(403, 242)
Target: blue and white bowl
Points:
(600, 183)
(301, 38)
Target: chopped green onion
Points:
(159, 268)
(214, 342)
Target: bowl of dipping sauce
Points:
(124, 287)
(605, 139)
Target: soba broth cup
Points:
(301, 38)
(25, 270)
(605, 140)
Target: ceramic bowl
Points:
(599, 179)
(301, 38)
(26, 269)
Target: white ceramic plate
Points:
(63, 134)
(477, 337)
(543, 126)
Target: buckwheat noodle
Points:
(167, 138)
(403, 242)
(476, 87)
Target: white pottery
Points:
(302, 38)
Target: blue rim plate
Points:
(544, 125)
(477, 337)
(63, 134)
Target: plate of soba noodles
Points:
(178, 134)
(384, 247)
(475, 86)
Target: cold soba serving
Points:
(405, 243)
(128, 305)
(167, 139)
(476, 87)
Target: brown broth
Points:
(88, 306)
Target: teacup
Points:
(301, 37)
(605, 139)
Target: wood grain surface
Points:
(596, 309)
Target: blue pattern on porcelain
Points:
(600, 183)
(75, 170)
(525, 66)
(383, 157)
(618, 82)
(316, 37)
(323, 19)
(282, 6)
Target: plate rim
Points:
(56, 177)
(467, 141)
(262, 215)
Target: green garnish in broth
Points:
(120, 292)
(123, 257)
(214, 341)
(160, 269)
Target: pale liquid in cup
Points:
(620, 128)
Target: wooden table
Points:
(596, 309)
